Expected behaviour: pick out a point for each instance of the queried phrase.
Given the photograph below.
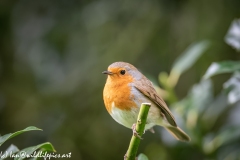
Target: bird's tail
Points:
(177, 133)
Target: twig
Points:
(135, 141)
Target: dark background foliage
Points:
(52, 54)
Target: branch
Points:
(135, 141)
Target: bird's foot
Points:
(135, 133)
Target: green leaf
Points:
(227, 135)
(233, 36)
(222, 67)
(10, 150)
(214, 110)
(142, 156)
(190, 56)
(233, 86)
(27, 152)
(6, 137)
(196, 102)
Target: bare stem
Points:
(140, 125)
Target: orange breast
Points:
(118, 91)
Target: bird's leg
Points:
(135, 133)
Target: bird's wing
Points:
(147, 89)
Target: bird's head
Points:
(122, 71)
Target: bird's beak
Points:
(107, 72)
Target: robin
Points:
(126, 89)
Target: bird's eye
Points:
(122, 72)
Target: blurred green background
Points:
(52, 54)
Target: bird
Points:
(126, 88)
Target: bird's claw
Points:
(135, 133)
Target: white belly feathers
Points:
(128, 117)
